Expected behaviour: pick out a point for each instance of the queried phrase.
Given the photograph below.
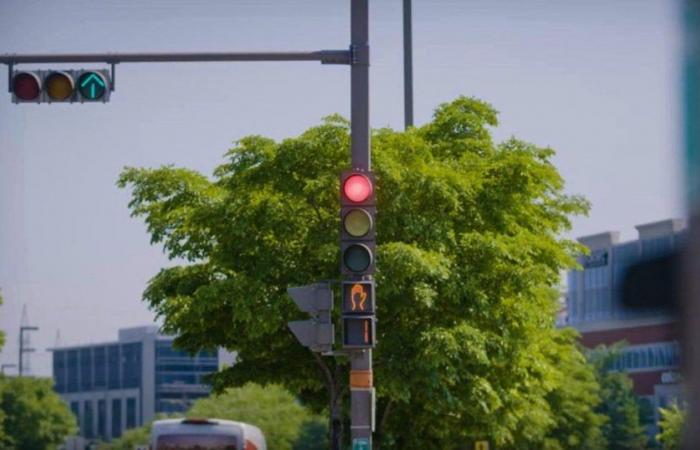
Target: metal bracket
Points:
(114, 75)
(335, 56)
(360, 55)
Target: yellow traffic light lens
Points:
(357, 222)
(59, 86)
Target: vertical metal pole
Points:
(407, 65)
(359, 85)
(21, 350)
(361, 399)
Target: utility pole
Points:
(24, 341)
(407, 64)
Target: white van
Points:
(205, 434)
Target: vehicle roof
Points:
(164, 424)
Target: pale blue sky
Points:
(597, 80)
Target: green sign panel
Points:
(360, 444)
(92, 85)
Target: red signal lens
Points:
(26, 86)
(357, 188)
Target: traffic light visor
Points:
(357, 188)
(357, 222)
(59, 85)
(26, 86)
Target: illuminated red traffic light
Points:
(357, 188)
(26, 86)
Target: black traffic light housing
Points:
(357, 223)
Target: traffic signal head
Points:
(49, 86)
(357, 229)
(318, 333)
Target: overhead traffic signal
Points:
(357, 229)
(49, 86)
(318, 333)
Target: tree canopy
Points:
(622, 429)
(671, 425)
(284, 422)
(469, 258)
(35, 417)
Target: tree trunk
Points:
(379, 434)
(335, 404)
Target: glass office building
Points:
(114, 386)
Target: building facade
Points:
(114, 386)
(651, 355)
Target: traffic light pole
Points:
(361, 380)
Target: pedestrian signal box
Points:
(358, 297)
(359, 332)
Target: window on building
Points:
(102, 419)
(113, 367)
(116, 417)
(88, 417)
(59, 371)
(130, 412)
(176, 378)
(100, 367)
(131, 358)
(654, 356)
(72, 370)
(656, 246)
(75, 409)
(86, 369)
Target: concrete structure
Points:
(114, 386)
(651, 356)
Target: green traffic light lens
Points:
(357, 222)
(92, 85)
(357, 258)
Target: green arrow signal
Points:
(94, 78)
(91, 85)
